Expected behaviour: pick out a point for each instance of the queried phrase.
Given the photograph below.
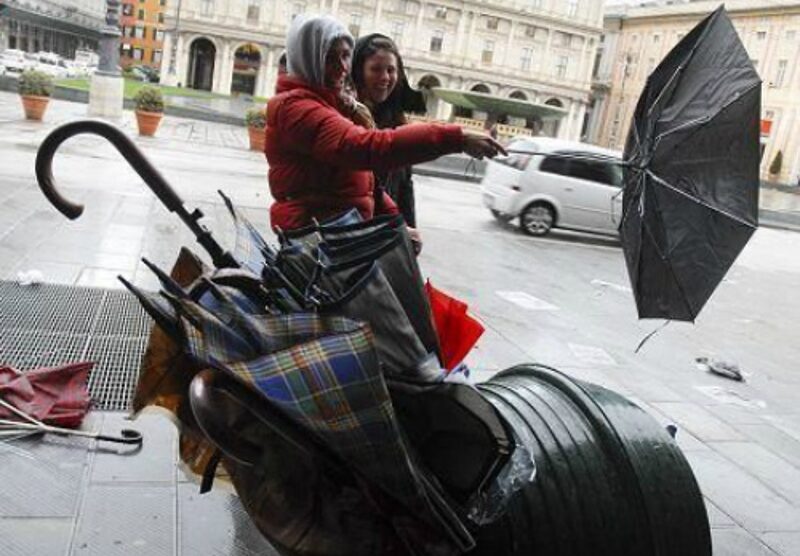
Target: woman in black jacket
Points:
(381, 84)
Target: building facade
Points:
(537, 50)
(60, 26)
(770, 31)
(142, 28)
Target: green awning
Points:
(499, 105)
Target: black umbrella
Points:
(691, 171)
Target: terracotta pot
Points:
(256, 138)
(148, 122)
(34, 106)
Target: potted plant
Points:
(256, 121)
(149, 109)
(35, 88)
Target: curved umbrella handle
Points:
(152, 177)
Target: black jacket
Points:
(400, 187)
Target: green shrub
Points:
(35, 83)
(777, 164)
(149, 99)
(256, 117)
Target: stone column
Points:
(462, 22)
(181, 60)
(418, 39)
(265, 85)
(169, 76)
(565, 125)
(106, 88)
(378, 11)
(226, 70)
(578, 126)
(509, 43)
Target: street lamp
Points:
(109, 41)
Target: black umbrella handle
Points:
(152, 177)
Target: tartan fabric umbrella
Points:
(691, 171)
(323, 373)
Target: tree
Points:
(777, 163)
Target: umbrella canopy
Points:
(57, 396)
(691, 171)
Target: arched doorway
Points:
(201, 65)
(246, 62)
(486, 118)
(551, 127)
(425, 85)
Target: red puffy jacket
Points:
(321, 163)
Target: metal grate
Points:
(49, 325)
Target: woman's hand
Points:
(479, 145)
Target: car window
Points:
(589, 170)
(555, 165)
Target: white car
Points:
(51, 64)
(549, 183)
(14, 62)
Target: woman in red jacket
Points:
(320, 162)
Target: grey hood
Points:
(307, 45)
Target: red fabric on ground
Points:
(458, 332)
(58, 396)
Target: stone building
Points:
(62, 26)
(142, 29)
(639, 38)
(539, 51)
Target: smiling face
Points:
(380, 77)
(337, 64)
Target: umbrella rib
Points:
(699, 201)
(668, 261)
(682, 66)
(700, 122)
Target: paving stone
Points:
(41, 476)
(699, 421)
(784, 543)
(775, 472)
(216, 523)
(35, 536)
(154, 463)
(735, 541)
(745, 499)
(774, 440)
(716, 517)
(126, 521)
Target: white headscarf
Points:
(307, 45)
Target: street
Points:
(563, 300)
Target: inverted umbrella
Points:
(691, 171)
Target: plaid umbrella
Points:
(323, 372)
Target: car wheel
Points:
(500, 216)
(537, 219)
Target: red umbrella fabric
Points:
(458, 332)
(58, 396)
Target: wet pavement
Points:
(562, 300)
